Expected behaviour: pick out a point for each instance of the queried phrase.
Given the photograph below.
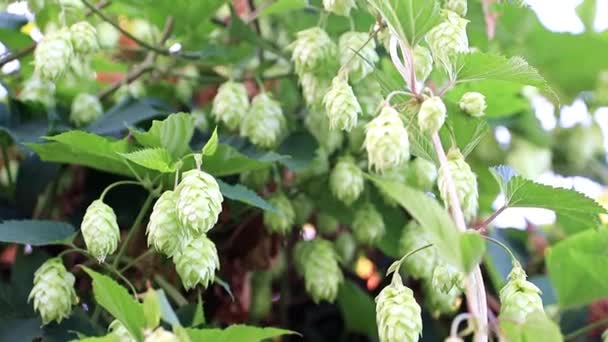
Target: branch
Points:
(482, 226)
(490, 18)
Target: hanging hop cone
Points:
(322, 274)
(265, 124)
(303, 207)
(164, 230)
(318, 125)
(346, 180)
(386, 141)
(419, 265)
(423, 63)
(357, 54)
(301, 254)
(196, 262)
(120, 332)
(341, 105)
(446, 277)
(53, 55)
(327, 224)
(314, 89)
(519, 297)
(312, 50)
(474, 104)
(464, 180)
(422, 174)
(440, 302)
(84, 38)
(448, 38)
(369, 95)
(368, 225)
(86, 108)
(345, 246)
(199, 201)
(53, 292)
(108, 36)
(458, 6)
(398, 316)
(231, 104)
(37, 90)
(282, 221)
(339, 7)
(432, 115)
(161, 335)
(256, 179)
(100, 230)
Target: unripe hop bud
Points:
(473, 103)
(265, 124)
(37, 90)
(314, 88)
(301, 254)
(339, 7)
(420, 264)
(53, 55)
(322, 274)
(530, 161)
(120, 332)
(357, 54)
(423, 62)
(312, 50)
(100, 230)
(442, 302)
(386, 141)
(84, 38)
(53, 292)
(108, 35)
(199, 201)
(197, 262)
(519, 297)
(368, 225)
(465, 183)
(161, 335)
(458, 6)
(86, 108)
(200, 120)
(282, 221)
(230, 105)
(422, 174)
(341, 105)
(432, 115)
(318, 125)
(398, 316)
(164, 230)
(346, 180)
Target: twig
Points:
(482, 226)
(100, 5)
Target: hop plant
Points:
(318, 166)
(53, 292)
(196, 262)
(386, 141)
(327, 224)
(53, 55)
(312, 50)
(432, 115)
(261, 297)
(449, 37)
(70, 5)
(164, 230)
(346, 247)
(38, 90)
(120, 332)
(100, 230)
(86, 108)
(107, 35)
(420, 264)
(446, 277)
(527, 159)
(346, 180)
(341, 105)
(398, 316)
(423, 62)
(458, 6)
(303, 207)
(161, 335)
(322, 274)
(282, 221)
(519, 297)
(199, 201)
(314, 88)
(339, 7)
(368, 225)
(422, 174)
(473, 103)
(265, 124)
(464, 180)
(357, 54)
(318, 125)
(440, 302)
(200, 120)
(255, 179)
(369, 95)
(231, 103)
(84, 38)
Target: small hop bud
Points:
(120, 332)
(318, 125)
(440, 302)
(164, 230)
(322, 274)
(196, 262)
(38, 90)
(368, 225)
(312, 50)
(327, 224)
(100, 230)
(86, 108)
(432, 115)
(53, 292)
(53, 55)
(473, 103)
(303, 207)
(199, 201)
(398, 316)
(345, 246)
(458, 6)
(446, 277)
(369, 95)
(339, 7)
(84, 38)
(161, 335)
(357, 54)
(265, 124)
(282, 221)
(386, 141)
(423, 63)
(314, 88)
(108, 36)
(422, 174)
(420, 264)
(346, 180)
(464, 180)
(341, 105)
(231, 104)
(256, 179)
(448, 38)
(519, 297)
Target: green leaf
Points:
(243, 194)
(520, 192)
(166, 311)
(282, 6)
(587, 12)
(106, 338)
(409, 19)
(152, 308)
(228, 161)
(237, 332)
(575, 267)
(125, 114)
(117, 301)
(504, 99)
(537, 327)
(173, 133)
(358, 310)
(157, 159)
(36, 232)
(467, 130)
(462, 250)
(211, 145)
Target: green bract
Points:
(519, 297)
(473, 103)
(312, 50)
(341, 105)
(120, 332)
(86, 108)
(322, 274)
(421, 263)
(357, 54)
(431, 115)
(165, 232)
(465, 182)
(161, 335)
(282, 221)
(346, 180)
(84, 38)
(368, 225)
(53, 55)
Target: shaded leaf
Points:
(282, 6)
(127, 113)
(243, 194)
(358, 310)
(157, 159)
(228, 161)
(211, 145)
(36, 232)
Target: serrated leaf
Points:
(358, 310)
(157, 159)
(173, 133)
(243, 194)
(211, 145)
(127, 113)
(409, 19)
(228, 161)
(537, 327)
(237, 332)
(36, 232)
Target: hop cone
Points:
(423, 62)
(440, 302)
(314, 89)
(184, 88)
(464, 180)
(473, 103)
(108, 35)
(197, 262)
(318, 166)
(369, 94)
(339, 7)
(341, 105)
(359, 64)
(265, 124)
(519, 297)
(529, 160)
(53, 292)
(432, 115)
(231, 103)
(346, 247)
(53, 55)
(37, 90)
(161, 335)
(255, 179)
(312, 50)
(446, 277)
(120, 332)
(84, 38)
(86, 108)
(322, 274)
(398, 315)
(448, 38)
(303, 207)
(458, 6)
(327, 224)
(422, 174)
(199, 201)
(420, 264)
(283, 221)
(164, 230)
(386, 141)
(301, 254)
(100, 230)
(368, 225)
(346, 180)
(318, 125)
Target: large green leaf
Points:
(125, 114)
(358, 310)
(237, 332)
(36, 232)
(537, 327)
(173, 134)
(157, 159)
(409, 19)
(243, 194)
(228, 161)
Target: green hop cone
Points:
(86, 108)
(529, 160)
(100, 230)
(432, 115)
(282, 221)
(464, 180)
(458, 6)
(318, 125)
(327, 224)
(196, 262)
(199, 201)
(201, 122)
(357, 54)
(38, 90)
(84, 38)
(519, 297)
(369, 95)
(120, 332)
(398, 316)
(423, 63)
(314, 88)
(422, 174)
(449, 38)
(164, 230)
(339, 7)
(53, 292)
(440, 302)
(368, 225)
(256, 179)
(231, 104)
(312, 50)
(345, 246)
(161, 335)
(303, 207)
(107, 35)
(386, 141)
(322, 274)
(447, 277)
(346, 180)
(185, 86)
(474, 104)
(301, 254)
(581, 144)
(53, 55)
(265, 124)
(419, 265)
(341, 105)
